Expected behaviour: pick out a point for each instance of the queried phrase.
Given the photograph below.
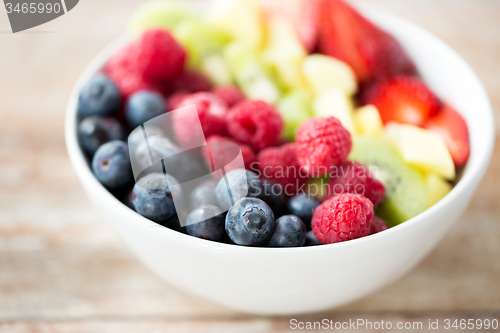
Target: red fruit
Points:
(212, 112)
(453, 128)
(342, 218)
(354, 177)
(378, 225)
(280, 165)
(176, 99)
(191, 81)
(403, 99)
(255, 123)
(303, 14)
(322, 145)
(216, 155)
(157, 56)
(348, 36)
(232, 95)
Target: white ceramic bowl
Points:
(299, 280)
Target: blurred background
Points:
(63, 270)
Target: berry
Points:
(303, 206)
(192, 82)
(207, 222)
(95, 131)
(143, 106)
(378, 225)
(255, 123)
(280, 165)
(272, 194)
(137, 136)
(354, 177)
(153, 198)
(322, 144)
(160, 148)
(176, 99)
(212, 113)
(290, 231)
(203, 194)
(348, 36)
(237, 184)
(232, 95)
(403, 99)
(311, 240)
(174, 224)
(250, 222)
(221, 155)
(99, 97)
(342, 218)
(111, 165)
(453, 128)
(157, 56)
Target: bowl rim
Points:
(474, 169)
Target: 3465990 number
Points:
(33, 7)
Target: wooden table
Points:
(63, 270)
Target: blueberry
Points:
(311, 239)
(206, 222)
(111, 165)
(152, 197)
(159, 148)
(303, 206)
(236, 185)
(250, 222)
(203, 194)
(137, 136)
(95, 131)
(143, 106)
(99, 97)
(290, 231)
(174, 224)
(272, 194)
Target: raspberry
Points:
(220, 156)
(255, 123)
(157, 56)
(342, 218)
(322, 144)
(212, 113)
(191, 81)
(280, 165)
(176, 99)
(378, 225)
(354, 177)
(231, 94)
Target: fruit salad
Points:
(339, 136)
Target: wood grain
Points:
(63, 270)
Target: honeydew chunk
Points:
(284, 53)
(334, 102)
(159, 14)
(216, 70)
(422, 148)
(323, 72)
(437, 187)
(295, 108)
(242, 19)
(367, 121)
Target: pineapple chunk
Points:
(437, 187)
(367, 121)
(334, 102)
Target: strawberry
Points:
(403, 99)
(453, 128)
(303, 14)
(348, 36)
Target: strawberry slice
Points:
(303, 14)
(453, 128)
(348, 36)
(403, 99)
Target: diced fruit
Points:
(348, 36)
(302, 14)
(367, 121)
(422, 148)
(250, 73)
(216, 69)
(406, 190)
(323, 72)
(334, 102)
(159, 14)
(317, 187)
(437, 187)
(403, 99)
(453, 129)
(229, 94)
(242, 19)
(200, 40)
(284, 53)
(295, 108)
